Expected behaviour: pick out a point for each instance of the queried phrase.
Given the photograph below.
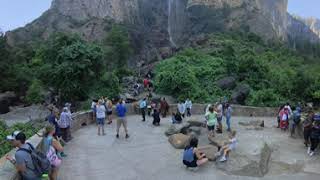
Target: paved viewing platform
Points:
(147, 154)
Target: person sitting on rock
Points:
(192, 157)
(178, 117)
(230, 146)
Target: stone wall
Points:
(7, 170)
(200, 109)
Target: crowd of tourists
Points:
(290, 118)
(192, 156)
(33, 164)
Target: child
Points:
(230, 146)
(211, 118)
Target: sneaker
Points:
(62, 154)
(117, 136)
(311, 153)
(223, 159)
(127, 136)
(309, 150)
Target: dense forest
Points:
(77, 70)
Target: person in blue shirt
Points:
(143, 107)
(121, 111)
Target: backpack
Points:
(52, 155)
(188, 155)
(40, 161)
(296, 117)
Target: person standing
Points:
(188, 105)
(143, 107)
(109, 111)
(228, 112)
(164, 107)
(52, 148)
(219, 117)
(23, 161)
(121, 111)
(314, 137)
(65, 124)
(211, 118)
(156, 117)
(307, 126)
(182, 108)
(93, 105)
(101, 116)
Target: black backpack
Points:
(40, 161)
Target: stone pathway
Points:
(147, 155)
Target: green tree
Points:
(117, 46)
(70, 65)
(35, 92)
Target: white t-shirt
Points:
(93, 104)
(233, 143)
(100, 111)
(220, 110)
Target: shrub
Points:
(35, 92)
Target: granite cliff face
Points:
(312, 23)
(157, 27)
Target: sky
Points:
(17, 13)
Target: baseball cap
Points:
(13, 136)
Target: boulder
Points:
(218, 140)
(227, 83)
(265, 159)
(171, 130)
(210, 152)
(196, 130)
(7, 99)
(4, 106)
(194, 122)
(240, 94)
(177, 128)
(179, 141)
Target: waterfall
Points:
(171, 15)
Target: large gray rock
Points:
(7, 99)
(218, 140)
(179, 141)
(194, 122)
(227, 83)
(196, 130)
(177, 128)
(240, 94)
(210, 152)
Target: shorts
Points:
(109, 113)
(211, 128)
(219, 119)
(192, 164)
(100, 121)
(122, 121)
